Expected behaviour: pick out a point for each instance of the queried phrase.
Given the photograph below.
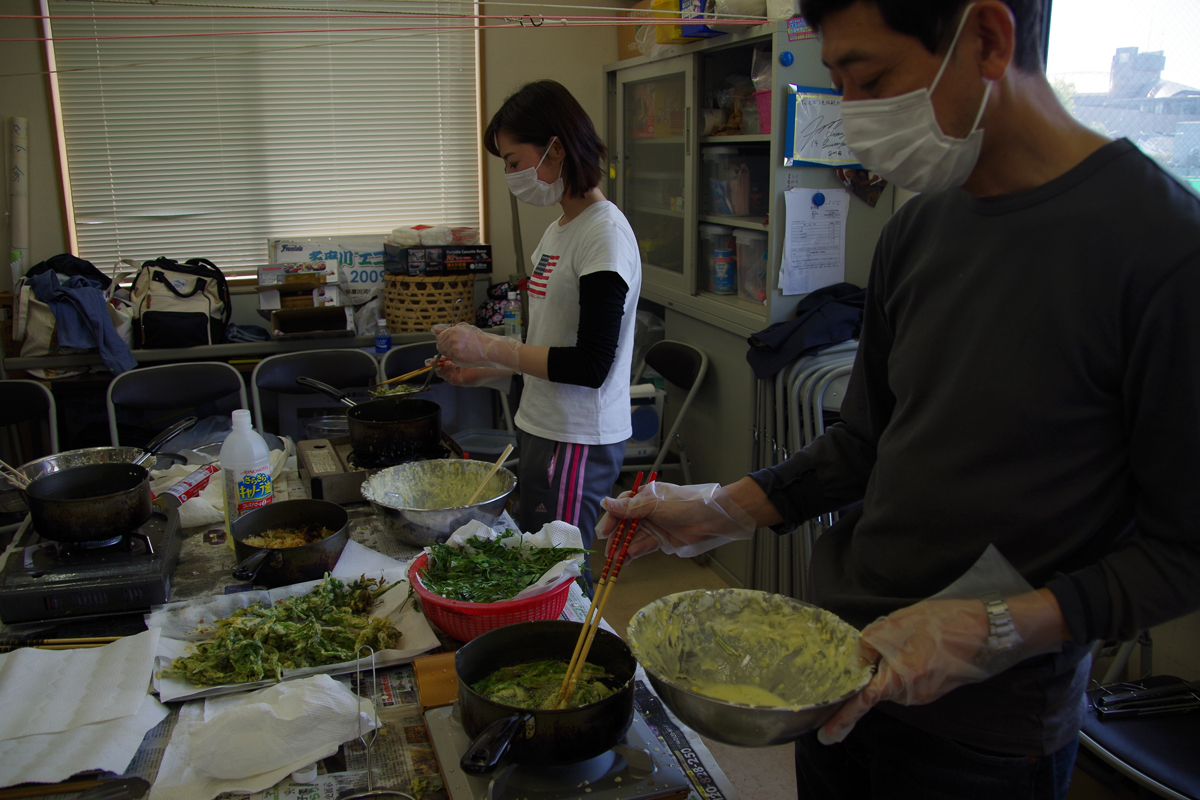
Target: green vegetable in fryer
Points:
(493, 572)
(536, 685)
(325, 626)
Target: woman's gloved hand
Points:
(467, 346)
(450, 372)
(936, 645)
(680, 520)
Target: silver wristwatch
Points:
(1002, 631)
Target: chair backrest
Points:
(22, 400)
(405, 358)
(682, 365)
(172, 386)
(340, 368)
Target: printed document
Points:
(814, 242)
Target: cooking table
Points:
(407, 752)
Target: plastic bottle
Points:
(246, 467)
(383, 337)
(512, 316)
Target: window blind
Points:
(189, 135)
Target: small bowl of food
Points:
(423, 502)
(747, 668)
(291, 541)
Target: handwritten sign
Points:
(814, 130)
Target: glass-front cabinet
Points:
(652, 174)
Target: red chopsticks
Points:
(612, 565)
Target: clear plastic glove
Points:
(680, 520)
(467, 346)
(932, 647)
(450, 372)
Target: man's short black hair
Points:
(933, 22)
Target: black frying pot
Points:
(94, 502)
(388, 429)
(541, 737)
(273, 567)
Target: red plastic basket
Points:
(464, 621)
(763, 99)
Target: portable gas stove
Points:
(335, 473)
(639, 768)
(42, 579)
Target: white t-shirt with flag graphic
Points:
(599, 239)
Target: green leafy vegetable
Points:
(536, 685)
(325, 626)
(493, 572)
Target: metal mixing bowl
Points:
(422, 503)
(715, 639)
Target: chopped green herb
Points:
(325, 626)
(493, 572)
(536, 685)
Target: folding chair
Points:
(340, 368)
(683, 366)
(172, 387)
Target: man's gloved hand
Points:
(680, 520)
(467, 346)
(936, 645)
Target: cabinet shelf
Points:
(753, 138)
(633, 140)
(751, 223)
(662, 212)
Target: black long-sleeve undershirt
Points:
(601, 307)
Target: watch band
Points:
(1002, 631)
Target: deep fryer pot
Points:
(388, 429)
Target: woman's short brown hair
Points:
(541, 110)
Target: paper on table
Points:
(54, 757)
(814, 240)
(289, 725)
(178, 621)
(46, 691)
(358, 559)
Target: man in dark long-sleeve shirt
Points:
(1027, 378)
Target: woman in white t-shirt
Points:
(573, 419)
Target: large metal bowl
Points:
(422, 503)
(10, 498)
(738, 642)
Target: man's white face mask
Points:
(528, 188)
(899, 137)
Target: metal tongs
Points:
(368, 744)
(1119, 700)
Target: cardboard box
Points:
(300, 296)
(449, 259)
(627, 34)
(669, 34)
(658, 110)
(357, 261)
(300, 273)
(312, 323)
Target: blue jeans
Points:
(886, 758)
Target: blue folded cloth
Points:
(81, 318)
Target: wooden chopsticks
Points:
(8, 645)
(405, 377)
(612, 565)
(14, 475)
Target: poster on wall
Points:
(814, 136)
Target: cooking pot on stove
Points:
(93, 502)
(271, 567)
(541, 736)
(388, 430)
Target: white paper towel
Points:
(248, 742)
(555, 533)
(358, 559)
(54, 757)
(46, 691)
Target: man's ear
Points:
(994, 29)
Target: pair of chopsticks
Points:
(405, 377)
(14, 475)
(8, 645)
(612, 565)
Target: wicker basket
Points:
(413, 305)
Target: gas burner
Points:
(44, 579)
(639, 768)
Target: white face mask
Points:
(528, 188)
(900, 139)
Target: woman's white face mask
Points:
(528, 188)
(900, 139)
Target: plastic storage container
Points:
(246, 469)
(715, 238)
(736, 179)
(751, 265)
